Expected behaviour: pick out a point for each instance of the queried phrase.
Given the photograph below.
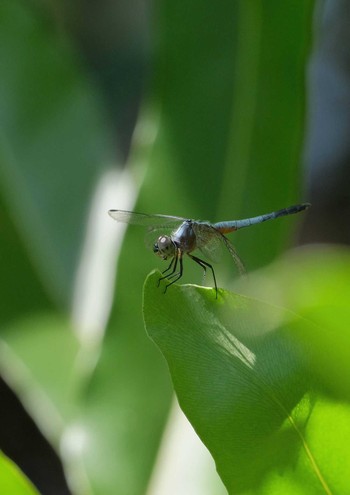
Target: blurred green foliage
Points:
(54, 142)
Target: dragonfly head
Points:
(164, 247)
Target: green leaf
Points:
(12, 480)
(53, 142)
(251, 387)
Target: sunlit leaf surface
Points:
(262, 396)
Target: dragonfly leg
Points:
(175, 276)
(172, 265)
(204, 265)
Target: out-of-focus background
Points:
(197, 109)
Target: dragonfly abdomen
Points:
(225, 227)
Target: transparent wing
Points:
(156, 225)
(233, 252)
(144, 220)
(212, 250)
(210, 241)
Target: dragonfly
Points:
(186, 235)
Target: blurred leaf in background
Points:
(54, 145)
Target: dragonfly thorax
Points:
(164, 247)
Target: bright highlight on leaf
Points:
(248, 377)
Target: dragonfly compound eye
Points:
(164, 247)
